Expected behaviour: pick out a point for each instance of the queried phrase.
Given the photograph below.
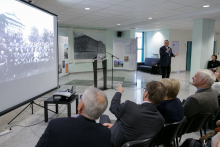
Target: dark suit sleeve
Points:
(117, 108)
(45, 137)
(162, 52)
(172, 55)
(208, 67)
(191, 107)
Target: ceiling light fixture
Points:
(206, 6)
(118, 24)
(150, 18)
(87, 8)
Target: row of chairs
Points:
(172, 131)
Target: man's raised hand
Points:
(120, 88)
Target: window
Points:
(140, 45)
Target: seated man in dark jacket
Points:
(205, 100)
(213, 64)
(81, 131)
(136, 122)
(171, 108)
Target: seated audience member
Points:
(214, 63)
(136, 122)
(81, 131)
(171, 108)
(216, 85)
(205, 100)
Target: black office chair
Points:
(215, 117)
(168, 133)
(205, 125)
(192, 124)
(139, 143)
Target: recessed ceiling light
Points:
(150, 18)
(206, 6)
(118, 24)
(87, 8)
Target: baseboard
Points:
(178, 71)
(100, 71)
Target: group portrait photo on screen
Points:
(26, 45)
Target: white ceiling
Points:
(106, 14)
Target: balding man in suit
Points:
(165, 59)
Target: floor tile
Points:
(109, 78)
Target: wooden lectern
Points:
(104, 69)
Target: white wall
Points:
(179, 63)
(154, 40)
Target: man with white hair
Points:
(81, 131)
(205, 100)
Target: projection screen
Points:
(28, 53)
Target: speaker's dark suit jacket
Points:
(134, 122)
(75, 132)
(202, 102)
(165, 58)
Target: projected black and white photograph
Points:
(85, 47)
(26, 41)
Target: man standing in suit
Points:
(136, 122)
(165, 59)
(81, 131)
(205, 100)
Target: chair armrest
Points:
(140, 63)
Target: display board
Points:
(175, 47)
(63, 55)
(126, 51)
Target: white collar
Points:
(146, 102)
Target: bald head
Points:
(95, 103)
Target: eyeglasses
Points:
(81, 98)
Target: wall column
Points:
(202, 44)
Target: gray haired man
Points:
(205, 100)
(81, 131)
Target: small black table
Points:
(60, 101)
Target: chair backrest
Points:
(205, 125)
(139, 143)
(193, 124)
(151, 61)
(168, 133)
(214, 118)
(197, 123)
